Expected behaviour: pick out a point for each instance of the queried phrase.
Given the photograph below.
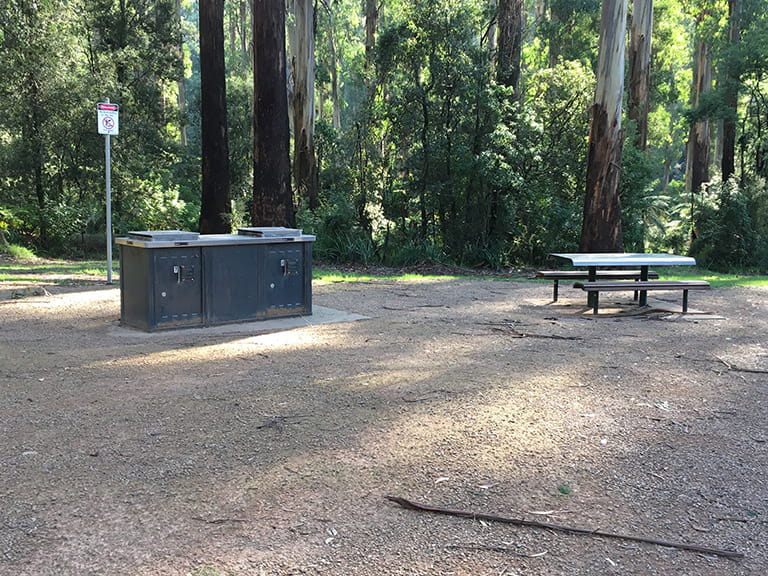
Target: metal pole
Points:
(108, 158)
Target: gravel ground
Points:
(210, 453)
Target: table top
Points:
(626, 259)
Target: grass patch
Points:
(716, 279)
(37, 270)
(327, 276)
(46, 271)
(18, 252)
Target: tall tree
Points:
(27, 45)
(272, 194)
(699, 137)
(303, 49)
(510, 43)
(371, 28)
(731, 90)
(181, 96)
(334, 68)
(640, 68)
(216, 205)
(601, 228)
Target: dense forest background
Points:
(428, 143)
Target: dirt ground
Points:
(210, 452)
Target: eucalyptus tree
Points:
(215, 204)
(640, 68)
(238, 20)
(698, 153)
(601, 231)
(511, 20)
(332, 63)
(272, 195)
(732, 80)
(699, 139)
(303, 102)
(371, 28)
(668, 89)
(753, 144)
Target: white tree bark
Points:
(601, 229)
(304, 159)
(640, 67)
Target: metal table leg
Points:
(643, 293)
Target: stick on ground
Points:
(557, 528)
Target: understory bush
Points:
(731, 231)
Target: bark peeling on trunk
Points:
(304, 158)
(601, 228)
(640, 68)
(699, 138)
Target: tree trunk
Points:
(304, 158)
(272, 195)
(215, 205)
(558, 15)
(371, 29)
(181, 98)
(492, 31)
(37, 149)
(511, 20)
(640, 68)
(697, 166)
(601, 229)
(728, 162)
(244, 44)
(334, 65)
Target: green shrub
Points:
(17, 252)
(731, 228)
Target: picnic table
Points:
(641, 261)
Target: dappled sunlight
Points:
(245, 452)
(284, 342)
(536, 417)
(71, 302)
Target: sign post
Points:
(109, 125)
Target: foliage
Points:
(733, 225)
(51, 159)
(550, 161)
(16, 251)
(571, 30)
(422, 155)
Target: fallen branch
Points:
(217, 520)
(737, 369)
(557, 528)
(507, 329)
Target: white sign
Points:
(107, 116)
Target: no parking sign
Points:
(108, 118)
(109, 125)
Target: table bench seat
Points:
(647, 285)
(557, 275)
